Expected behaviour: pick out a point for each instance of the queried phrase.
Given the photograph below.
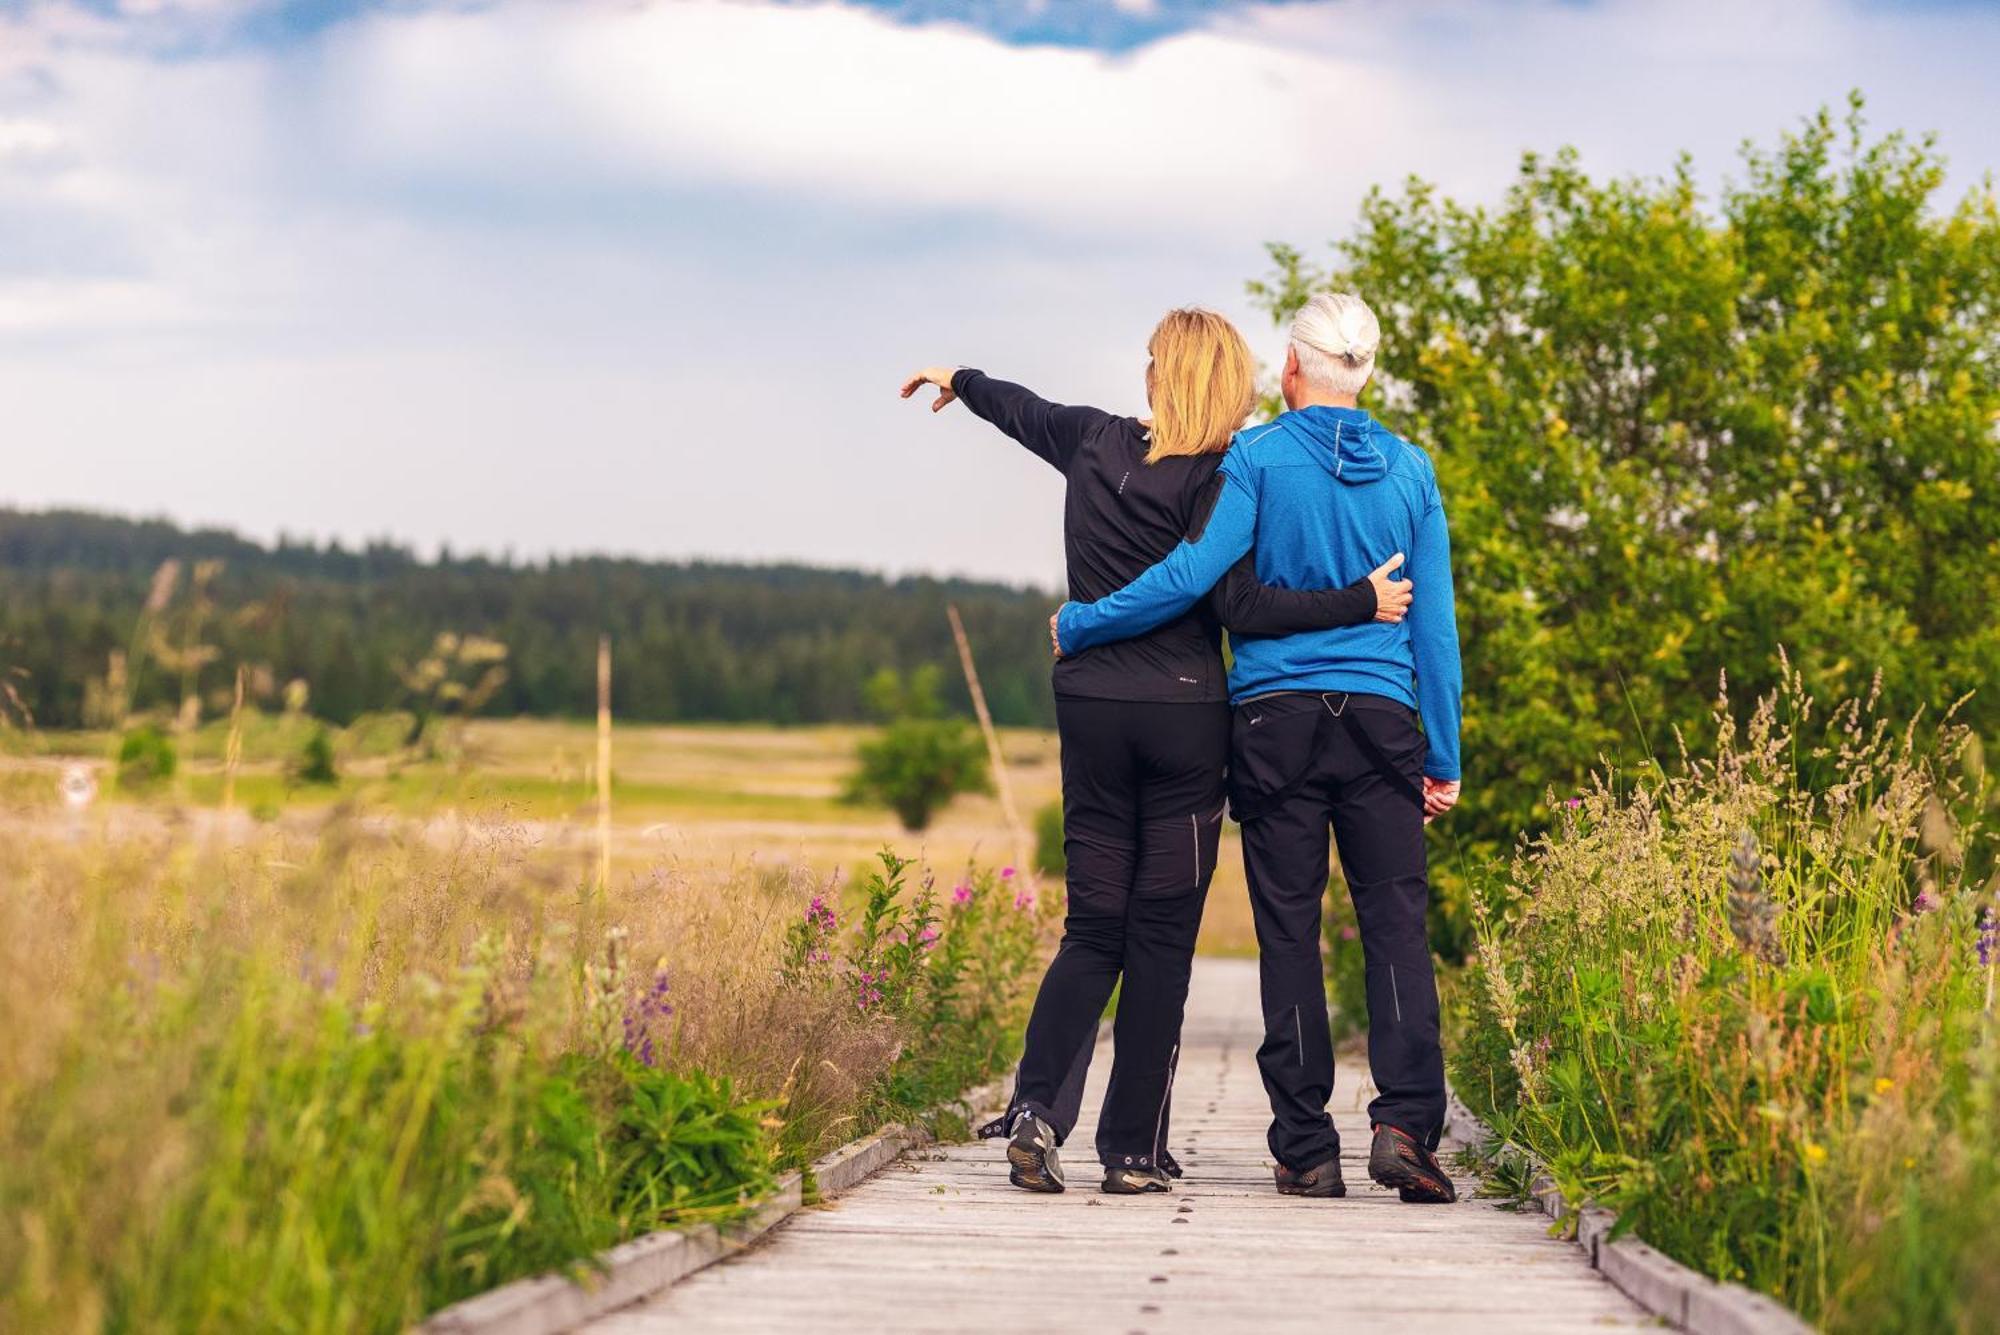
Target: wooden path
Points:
(942, 1243)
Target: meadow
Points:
(334, 1057)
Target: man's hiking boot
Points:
(1322, 1179)
(1398, 1159)
(1125, 1180)
(1031, 1155)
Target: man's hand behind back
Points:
(1439, 797)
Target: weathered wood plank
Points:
(940, 1242)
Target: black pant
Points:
(1143, 798)
(1299, 764)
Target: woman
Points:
(1144, 725)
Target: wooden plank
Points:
(940, 1242)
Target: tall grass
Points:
(334, 1083)
(1748, 1005)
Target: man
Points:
(1325, 734)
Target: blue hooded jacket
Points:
(1322, 495)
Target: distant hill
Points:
(691, 641)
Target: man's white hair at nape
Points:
(1334, 337)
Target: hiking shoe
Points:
(1169, 1164)
(1398, 1159)
(1322, 1179)
(1031, 1155)
(1124, 1180)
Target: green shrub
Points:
(921, 760)
(146, 758)
(1050, 858)
(315, 762)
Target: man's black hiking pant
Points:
(1143, 798)
(1301, 765)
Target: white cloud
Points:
(640, 276)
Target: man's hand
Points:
(1055, 640)
(1392, 596)
(1439, 797)
(933, 375)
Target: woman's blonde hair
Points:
(1201, 382)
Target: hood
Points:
(1346, 441)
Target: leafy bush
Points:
(315, 763)
(1749, 1006)
(1674, 435)
(146, 758)
(1050, 857)
(921, 760)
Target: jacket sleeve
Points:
(1173, 583)
(1248, 606)
(1054, 431)
(1433, 623)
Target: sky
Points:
(617, 276)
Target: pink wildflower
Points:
(1006, 873)
(1024, 900)
(961, 893)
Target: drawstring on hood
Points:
(1343, 440)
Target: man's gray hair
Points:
(1334, 338)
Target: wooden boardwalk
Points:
(940, 1242)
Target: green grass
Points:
(332, 1085)
(1744, 1006)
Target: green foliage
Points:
(1674, 437)
(348, 1087)
(780, 644)
(1747, 1007)
(146, 758)
(921, 760)
(951, 972)
(316, 764)
(1050, 857)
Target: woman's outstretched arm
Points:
(1054, 431)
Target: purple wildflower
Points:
(1006, 873)
(868, 993)
(1927, 900)
(1574, 803)
(642, 1017)
(1024, 900)
(821, 915)
(1989, 938)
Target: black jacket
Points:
(1122, 514)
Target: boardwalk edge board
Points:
(1663, 1286)
(636, 1270)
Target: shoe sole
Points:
(1413, 1184)
(1032, 1168)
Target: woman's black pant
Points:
(1143, 798)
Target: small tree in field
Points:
(921, 759)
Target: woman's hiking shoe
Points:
(1322, 1179)
(1031, 1155)
(1124, 1181)
(1398, 1159)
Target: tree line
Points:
(693, 641)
